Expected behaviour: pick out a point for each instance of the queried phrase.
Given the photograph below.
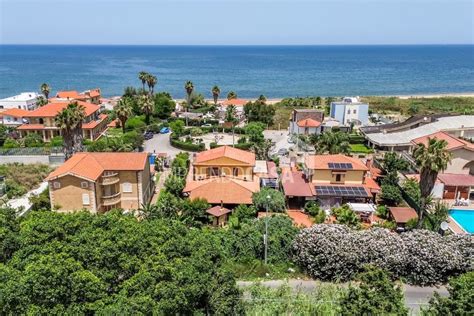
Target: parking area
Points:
(160, 143)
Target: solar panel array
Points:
(344, 191)
(339, 165)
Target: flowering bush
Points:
(336, 252)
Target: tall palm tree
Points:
(230, 117)
(41, 101)
(123, 110)
(189, 87)
(151, 82)
(431, 160)
(216, 91)
(45, 89)
(142, 76)
(146, 106)
(231, 95)
(69, 120)
(333, 143)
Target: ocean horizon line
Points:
(241, 45)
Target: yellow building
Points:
(223, 175)
(99, 182)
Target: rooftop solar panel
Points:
(339, 165)
(343, 191)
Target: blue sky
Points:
(233, 22)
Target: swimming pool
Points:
(465, 218)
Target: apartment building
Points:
(24, 101)
(90, 96)
(350, 111)
(99, 182)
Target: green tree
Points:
(45, 90)
(245, 212)
(254, 131)
(40, 201)
(412, 189)
(413, 109)
(151, 82)
(271, 198)
(168, 205)
(69, 120)
(460, 300)
(333, 143)
(41, 101)
(231, 95)
(9, 239)
(318, 100)
(193, 212)
(189, 88)
(123, 110)
(344, 215)
(393, 162)
(177, 127)
(439, 213)
(259, 111)
(174, 185)
(216, 91)
(146, 106)
(375, 295)
(163, 105)
(431, 160)
(142, 76)
(391, 194)
(33, 140)
(262, 98)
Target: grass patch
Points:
(361, 148)
(21, 178)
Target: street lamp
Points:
(265, 237)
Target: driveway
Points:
(160, 143)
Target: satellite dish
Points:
(444, 226)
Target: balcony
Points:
(111, 199)
(110, 179)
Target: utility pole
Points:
(265, 237)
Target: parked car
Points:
(148, 135)
(206, 125)
(165, 130)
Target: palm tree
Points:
(332, 143)
(215, 93)
(41, 101)
(189, 87)
(231, 95)
(142, 76)
(123, 110)
(151, 82)
(329, 100)
(262, 98)
(45, 89)
(230, 117)
(146, 105)
(431, 160)
(69, 120)
(318, 100)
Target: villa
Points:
(332, 180)
(306, 121)
(99, 182)
(41, 121)
(90, 96)
(350, 111)
(223, 176)
(24, 101)
(13, 117)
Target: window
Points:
(214, 171)
(84, 184)
(127, 187)
(349, 111)
(235, 172)
(338, 178)
(109, 173)
(56, 185)
(354, 111)
(85, 199)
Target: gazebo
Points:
(219, 215)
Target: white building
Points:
(350, 110)
(23, 101)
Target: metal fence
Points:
(31, 151)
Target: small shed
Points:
(219, 215)
(401, 215)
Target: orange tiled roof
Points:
(27, 127)
(93, 124)
(453, 142)
(321, 162)
(52, 109)
(228, 192)
(72, 94)
(300, 219)
(309, 122)
(403, 214)
(372, 185)
(237, 102)
(94, 93)
(225, 151)
(218, 211)
(92, 165)
(15, 112)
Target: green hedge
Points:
(186, 146)
(356, 139)
(244, 146)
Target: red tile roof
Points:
(452, 179)
(244, 156)
(95, 123)
(72, 94)
(308, 123)
(218, 211)
(321, 162)
(403, 214)
(237, 102)
(52, 109)
(295, 184)
(222, 190)
(92, 165)
(453, 142)
(15, 112)
(28, 127)
(300, 219)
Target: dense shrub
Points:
(175, 142)
(336, 252)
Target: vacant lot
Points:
(20, 178)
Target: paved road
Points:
(415, 296)
(160, 143)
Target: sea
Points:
(274, 71)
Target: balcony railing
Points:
(110, 179)
(111, 199)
